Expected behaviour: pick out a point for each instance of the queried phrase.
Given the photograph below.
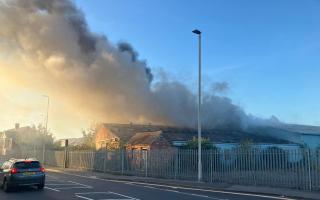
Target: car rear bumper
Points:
(24, 181)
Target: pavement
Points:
(73, 184)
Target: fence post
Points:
(66, 157)
(146, 163)
(93, 154)
(105, 161)
(43, 153)
(309, 169)
(122, 160)
(176, 163)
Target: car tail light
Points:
(42, 169)
(13, 171)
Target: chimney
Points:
(17, 125)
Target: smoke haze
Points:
(47, 48)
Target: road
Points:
(68, 187)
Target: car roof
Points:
(14, 160)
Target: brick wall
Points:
(105, 139)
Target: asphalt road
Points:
(67, 187)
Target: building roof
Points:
(127, 131)
(220, 136)
(74, 141)
(25, 132)
(299, 129)
(144, 138)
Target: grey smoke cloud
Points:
(126, 47)
(220, 87)
(52, 48)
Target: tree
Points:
(88, 137)
(34, 137)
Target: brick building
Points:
(148, 141)
(114, 136)
(5, 144)
(137, 136)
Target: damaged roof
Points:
(144, 138)
(126, 131)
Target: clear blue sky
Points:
(268, 51)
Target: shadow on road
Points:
(24, 189)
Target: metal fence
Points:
(298, 169)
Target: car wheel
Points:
(5, 186)
(41, 186)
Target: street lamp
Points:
(197, 32)
(47, 118)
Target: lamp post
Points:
(197, 32)
(47, 118)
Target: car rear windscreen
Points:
(27, 165)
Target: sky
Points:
(267, 51)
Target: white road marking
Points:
(75, 187)
(52, 189)
(185, 188)
(92, 193)
(66, 185)
(82, 197)
(52, 182)
(123, 195)
(206, 190)
(109, 192)
(183, 193)
(59, 184)
(114, 199)
(79, 184)
(50, 176)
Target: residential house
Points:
(23, 138)
(307, 136)
(5, 144)
(135, 136)
(148, 141)
(142, 140)
(227, 156)
(113, 136)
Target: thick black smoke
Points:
(126, 47)
(53, 49)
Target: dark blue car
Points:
(22, 172)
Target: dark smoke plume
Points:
(52, 48)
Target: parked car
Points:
(22, 172)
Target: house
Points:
(5, 144)
(308, 136)
(132, 136)
(295, 154)
(148, 141)
(23, 138)
(113, 136)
